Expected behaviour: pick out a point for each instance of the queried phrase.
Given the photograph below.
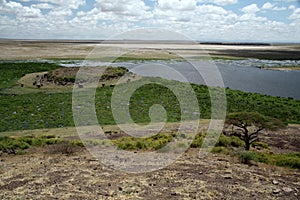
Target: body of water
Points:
(245, 75)
(242, 75)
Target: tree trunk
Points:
(247, 142)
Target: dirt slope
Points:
(80, 176)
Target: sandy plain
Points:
(33, 50)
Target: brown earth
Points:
(80, 176)
(26, 50)
(42, 174)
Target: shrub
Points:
(151, 143)
(222, 150)
(198, 140)
(20, 143)
(247, 156)
(63, 147)
(283, 160)
(260, 145)
(11, 144)
(77, 143)
(225, 141)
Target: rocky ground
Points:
(41, 175)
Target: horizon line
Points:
(207, 42)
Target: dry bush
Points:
(64, 147)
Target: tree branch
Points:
(255, 140)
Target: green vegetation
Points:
(234, 146)
(12, 72)
(43, 109)
(248, 126)
(151, 143)
(291, 160)
(12, 144)
(224, 141)
(285, 109)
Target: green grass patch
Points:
(291, 160)
(54, 110)
(151, 143)
(12, 72)
(24, 142)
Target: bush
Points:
(198, 140)
(226, 141)
(63, 147)
(151, 143)
(247, 156)
(11, 144)
(260, 145)
(222, 150)
(282, 160)
(285, 160)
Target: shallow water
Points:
(242, 75)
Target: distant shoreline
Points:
(82, 41)
(12, 49)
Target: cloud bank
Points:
(204, 20)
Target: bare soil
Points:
(80, 176)
(40, 174)
(26, 50)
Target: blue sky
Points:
(203, 20)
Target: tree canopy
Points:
(249, 124)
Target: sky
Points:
(200, 20)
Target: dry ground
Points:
(26, 50)
(40, 174)
(80, 176)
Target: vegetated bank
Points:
(42, 109)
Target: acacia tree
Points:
(248, 125)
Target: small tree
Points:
(247, 126)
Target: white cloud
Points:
(267, 6)
(72, 4)
(2, 2)
(123, 7)
(219, 2)
(12, 7)
(250, 9)
(295, 15)
(43, 6)
(270, 6)
(60, 13)
(199, 19)
(187, 5)
(206, 9)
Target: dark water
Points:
(245, 78)
(235, 74)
